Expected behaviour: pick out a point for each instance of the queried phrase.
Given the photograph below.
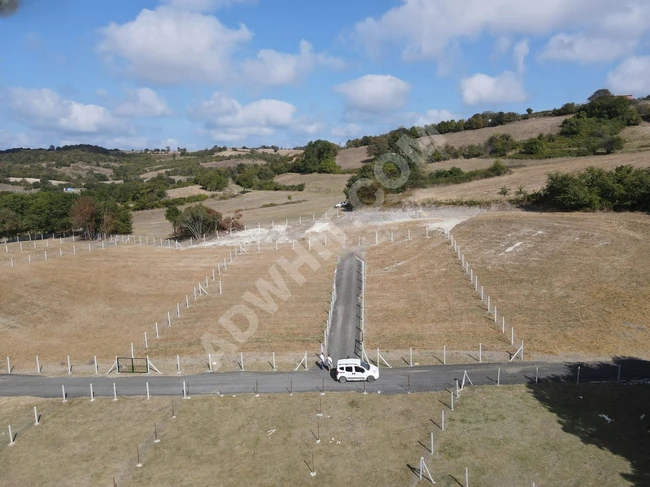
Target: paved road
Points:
(391, 381)
(345, 334)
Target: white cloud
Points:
(171, 46)
(143, 103)
(501, 47)
(434, 116)
(47, 110)
(228, 120)
(424, 28)
(519, 54)
(631, 76)
(582, 48)
(101, 92)
(273, 68)
(203, 5)
(375, 93)
(481, 88)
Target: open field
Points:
(245, 440)
(352, 158)
(417, 296)
(56, 308)
(293, 327)
(572, 285)
(322, 192)
(522, 130)
(637, 138)
(531, 177)
(232, 163)
(14, 189)
(93, 304)
(550, 434)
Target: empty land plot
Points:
(550, 434)
(532, 177)
(294, 324)
(93, 304)
(321, 193)
(77, 443)
(417, 296)
(522, 130)
(245, 440)
(352, 158)
(35, 250)
(572, 284)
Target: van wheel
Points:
(371, 378)
(342, 379)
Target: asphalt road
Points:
(345, 334)
(391, 381)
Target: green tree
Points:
(613, 144)
(173, 215)
(198, 220)
(529, 111)
(212, 180)
(599, 94)
(329, 166)
(314, 154)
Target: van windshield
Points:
(365, 365)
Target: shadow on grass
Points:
(586, 409)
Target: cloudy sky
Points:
(195, 73)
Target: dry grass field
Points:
(187, 191)
(94, 303)
(245, 440)
(296, 326)
(322, 192)
(573, 285)
(637, 138)
(232, 163)
(552, 435)
(521, 130)
(417, 296)
(98, 303)
(532, 176)
(352, 158)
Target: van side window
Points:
(358, 369)
(348, 368)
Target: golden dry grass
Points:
(294, 327)
(233, 441)
(187, 191)
(417, 296)
(352, 158)
(521, 130)
(232, 162)
(531, 177)
(637, 137)
(322, 192)
(572, 285)
(93, 303)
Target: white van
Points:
(355, 369)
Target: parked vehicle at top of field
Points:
(354, 369)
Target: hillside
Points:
(529, 174)
(522, 130)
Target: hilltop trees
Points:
(318, 156)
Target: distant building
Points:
(629, 97)
(72, 190)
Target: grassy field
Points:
(571, 284)
(98, 303)
(93, 303)
(322, 192)
(245, 440)
(552, 435)
(530, 175)
(352, 158)
(295, 327)
(417, 296)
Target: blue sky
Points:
(195, 73)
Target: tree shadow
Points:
(613, 415)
